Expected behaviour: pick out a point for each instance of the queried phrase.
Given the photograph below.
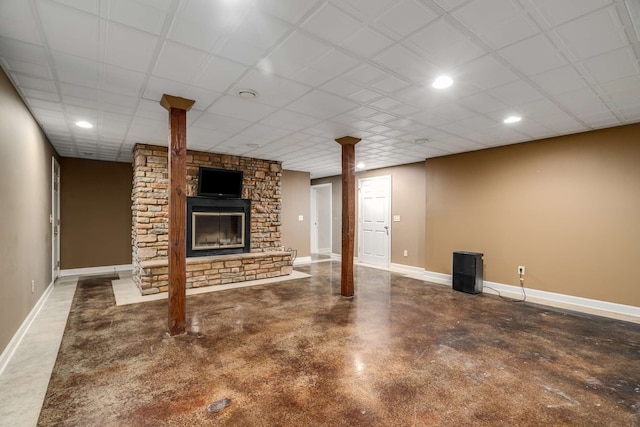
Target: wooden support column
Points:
(348, 212)
(177, 108)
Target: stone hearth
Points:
(150, 224)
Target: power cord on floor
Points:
(524, 294)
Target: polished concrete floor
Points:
(401, 352)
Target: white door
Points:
(374, 210)
(321, 219)
(55, 219)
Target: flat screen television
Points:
(219, 183)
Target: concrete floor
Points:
(401, 352)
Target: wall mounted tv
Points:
(219, 183)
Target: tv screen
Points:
(221, 183)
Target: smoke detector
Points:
(247, 93)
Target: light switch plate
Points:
(300, 218)
(396, 218)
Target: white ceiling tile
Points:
(129, 48)
(534, 55)
(334, 63)
(22, 51)
(449, 5)
(179, 63)
(120, 80)
(341, 87)
(320, 104)
(363, 112)
(34, 83)
(406, 63)
(370, 8)
(593, 34)
(144, 15)
(364, 95)
(221, 123)
(385, 103)
(382, 118)
(28, 68)
(560, 80)
(555, 12)
(69, 30)
(43, 105)
(366, 74)
(265, 132)
(312, 77)
(390, 84)
(90, 6)
(239, 51)
(601, 70)
(218, 74)
(366, 42)
(273, 90)
(486, 73)
(16, 22)
(406, 17)
(582, 102)
(332, 24)
(445, 45)
(515, 93)
(293, 55)
(498, 22)
(79, 71)
(403, 109)
(482, 102)
(260, 30)
(237, 107)
(289, 10)
(289, 120)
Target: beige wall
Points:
(407, 200)
(566, 208)
(25, 231)
(95, 213)
(295, 187)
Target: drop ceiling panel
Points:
(323, 69)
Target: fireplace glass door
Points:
(217, 230)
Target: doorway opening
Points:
(321, 221)
(54, 219)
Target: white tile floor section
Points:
(23, 383)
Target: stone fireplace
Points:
(234, 240)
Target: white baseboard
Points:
(612, 310)
(407, 269)
(95, 270)
(323, 251)
(7, 353)
(336, 256)
(302, 260)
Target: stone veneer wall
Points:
(150, 198)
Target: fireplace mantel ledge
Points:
(204, 259)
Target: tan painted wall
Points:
(295, 187)
(95, 213)
(566, 208)
(25, 231)
(407, 200)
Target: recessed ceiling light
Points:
(442, 82)
(84, 124)
(512, 119)
(361, 165)
(247, 93)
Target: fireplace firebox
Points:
(218, 226)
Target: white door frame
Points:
(388, 219)
(54, 219)
(314, 217)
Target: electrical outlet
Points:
(406, 252)
(33, 286)
(521, 270)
